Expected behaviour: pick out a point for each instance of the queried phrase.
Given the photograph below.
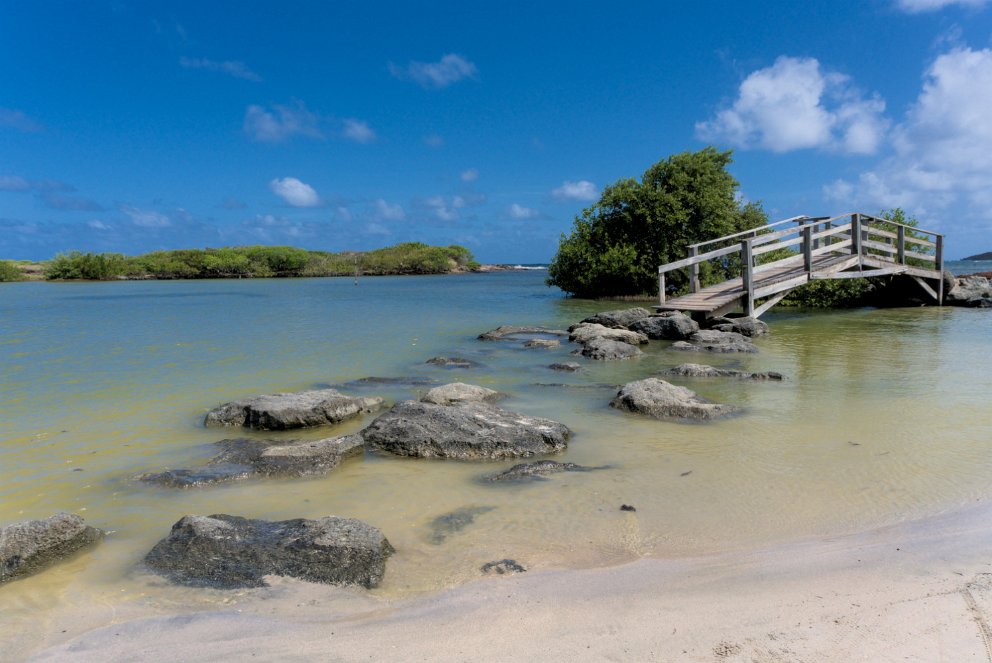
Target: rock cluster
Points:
(663, 400)
(710, 340)
(971, 291)
(670, 326)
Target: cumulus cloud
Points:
(795, 105)
(583, 190)
(279, 123)
(942, 150)
(520, 212)
(146, 218)
(450, 69)
(920, 6)
(469, 175)
(384, 211)
(97, 224)
(358, 131)
(295, 192)
(15, 119)
(443, 209)
(234, 68)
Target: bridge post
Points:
(747, 276)
(693, 270)
(661, 287)
(855, 234)
(938, 257)
(808, 248)
(901, 245)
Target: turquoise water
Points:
(884, 418)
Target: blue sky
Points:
(352, 125)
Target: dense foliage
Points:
(259, 261)
(617, 244)
(10, 272)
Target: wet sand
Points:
(920, 591)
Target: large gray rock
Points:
(585, 332)
(710, 340)
(536, 471)
(568, 367)
(745, 326)
(246, 458)
(620, 319)
(969, 291)
(704, 371)
(459, 392)
(229, 551)
(517, 333)
(294, 410)
(603, 349)
(543, 343)
(30, 546)
(466, 431)
(672, 326)
(662, 400)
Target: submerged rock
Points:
(452, 362)
(246, 458)
(570, 367)
(671, 326)
(663, 400)
(542, 343)
(537, 471)
(710, 340)
(502, 567)
(459, 392)
(603, 349)
(619, 319)
(302, 409)
(465, 431)
(32, 545)
(513, 332)
(746, 326)
(399, 382)
(585, 332)
(704, 371)
(229, 551)
(451, 523)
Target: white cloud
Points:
(146, 218)
(433, 140)
(281, 123)
(583, 190)
(295, 192)
(942, 151)
(794, 105)
(358, 131)
(444, 210)
(96, 224)
(450, 69)
(384, 211)
(14, 183)
(920, 6)
(342, 213)
(521, 212)
(16, 119)
(234, 68)
(469, 175)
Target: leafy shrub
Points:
(10, 272)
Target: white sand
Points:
(917, 592)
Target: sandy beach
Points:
(920, 591)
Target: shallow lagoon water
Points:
(884, 418)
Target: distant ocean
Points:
(964, 267)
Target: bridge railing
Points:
(762, 249)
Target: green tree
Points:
(10, 272)
(617, 244)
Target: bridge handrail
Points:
(809, 234)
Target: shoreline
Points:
(920, 590)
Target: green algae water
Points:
(884, 417)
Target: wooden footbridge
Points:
(779, 257)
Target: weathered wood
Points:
(921, 256)
(878, 246)
(779, 286)
(745, 233)
(693, 271)
(926, 288)
(830, 248)
(770, 302)
(768, 248)
(661, 287)
(901, 245)
(702, 257)
(747, 276)
(855, 234)
(863, 274)
(807, 247)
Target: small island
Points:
(980, 256)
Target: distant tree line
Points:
(258, 262)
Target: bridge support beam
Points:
(747, 276)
